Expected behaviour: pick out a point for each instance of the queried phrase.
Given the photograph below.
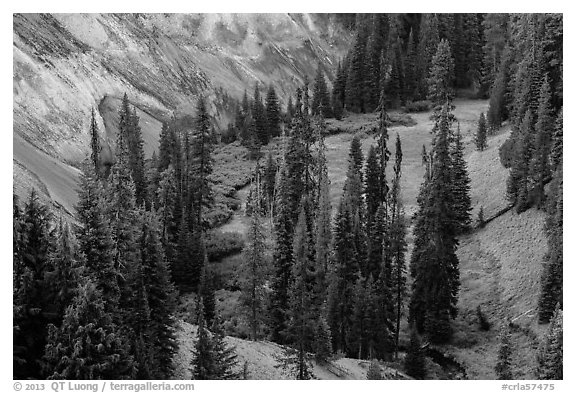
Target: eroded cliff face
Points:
(66, 64)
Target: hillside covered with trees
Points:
(357, 261)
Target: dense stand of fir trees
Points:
(443, 213)
(96, 300)
(339, 285)
(256, 120)
(334, 287)
(526, 90)
(394, 53)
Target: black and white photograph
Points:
(287, 196)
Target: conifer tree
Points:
(557, 143)
(552, 274)
(300, 330)
(415, 361)
(261, 131)
(398, 245)
(136, 158)
(383, 303)
(272, 112)
(540, 172)
(382, 152)
(290, 111)
(376, 231)
(525, 87)
(166, 147)
(354, 93)
(34, 243)
(428, 40)
(206, 293)
(356, 156)
(161, 297)
(152, 181)
(395, 85)
(474, 39)
(306, 97)
(550, 356)
(440, 81)
(320, 97)
(480, 138)
(434, 263)
(364, 334)
(202, 161)
(244, 119)
(282, 261)
(253, 274)
(496, 34)
(300, 367)
(204, 363)
(339, 89)
(269, 180)
(460, 185)
(95, 147)
(224, 355)
(337, 107)
(136, 331)
(517, 188)
(481, 220)
(372, 190)
(498, 105)
(348, 248)
(300, 163)
(95, 237)
(20, 277)
(187, 264)
(167, 196)
(322, 228)
(322, 341)
(87, 345)
(504, 365)
(372, 82)
(124, 219)
(410, 68)
(64, 271)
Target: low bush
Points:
(507, 153)
(482, 320)
(401, 119)
(418, 106)
(222, 244)
(217, 215)
(225, 272)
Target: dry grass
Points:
(500, 270)
(500, 264)
(488, 178)
(412, 138)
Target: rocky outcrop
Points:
(66, 64)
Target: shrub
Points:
(481, 220)
(222, 244)
(401, 119)
(482, 320)
(418, 106)
(506, 152)
(217, 215)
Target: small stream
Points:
(452, 368)
(238, 222)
